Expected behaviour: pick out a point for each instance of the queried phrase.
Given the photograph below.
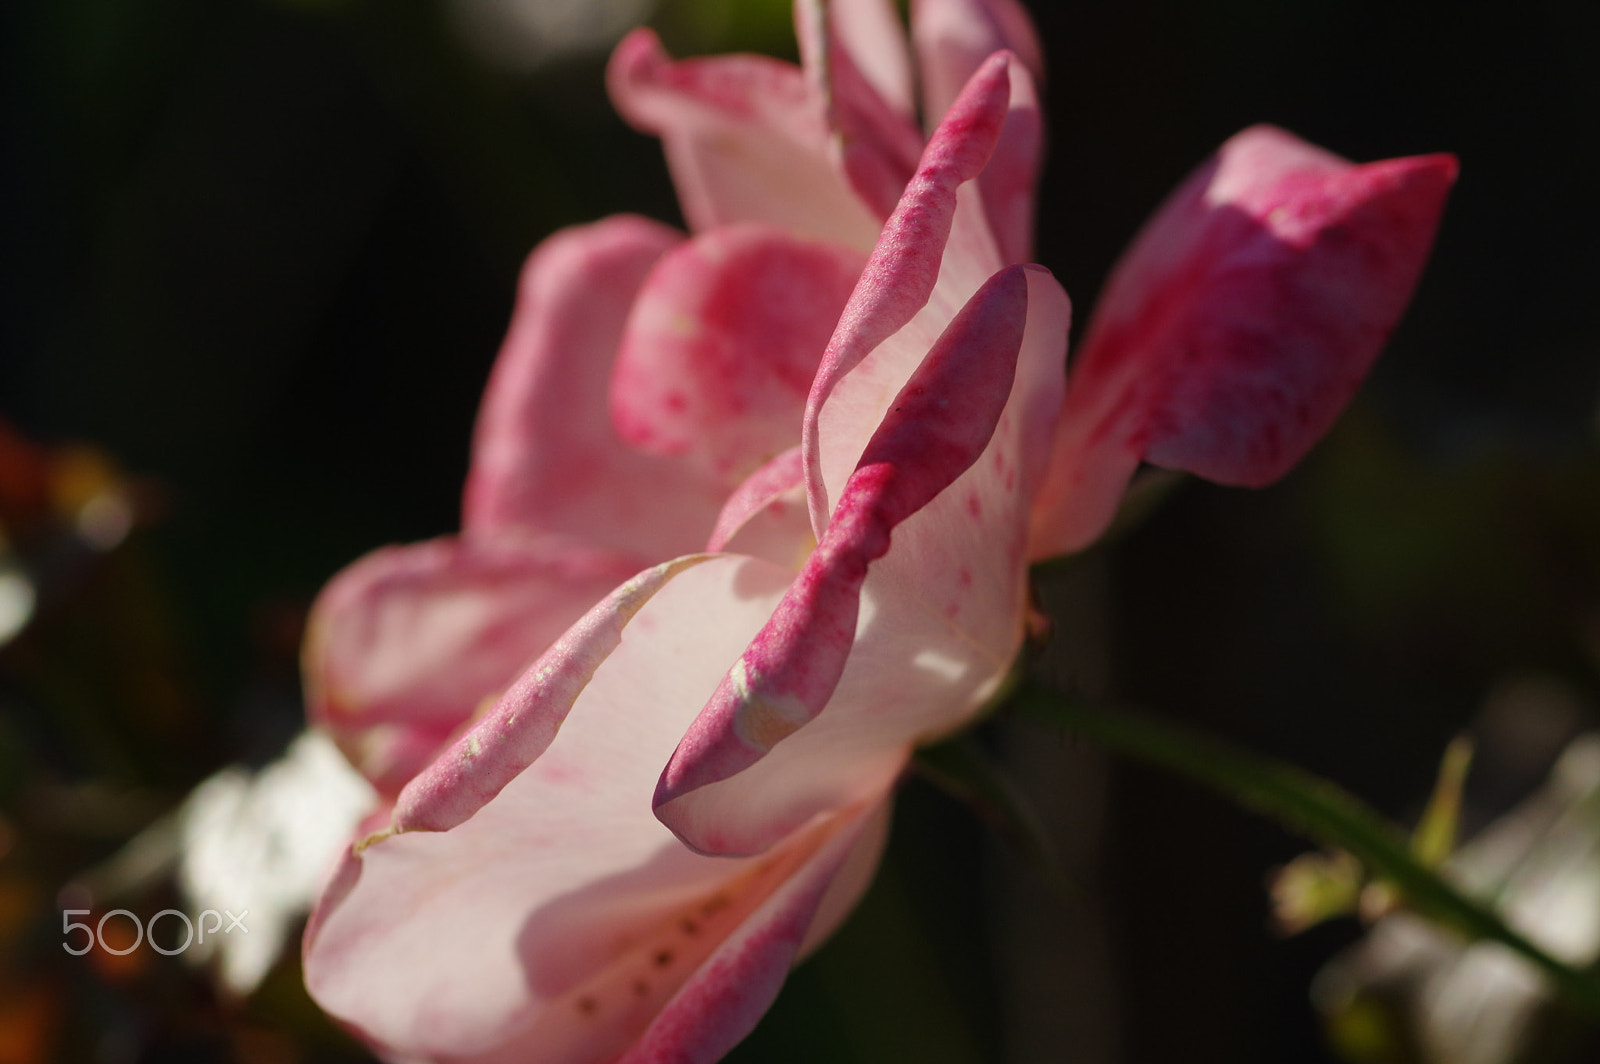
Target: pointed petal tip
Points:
(1267, 137)
(1428, 174)
(994, 75)
(967, 135)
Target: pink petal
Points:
(872, 32)
(766, 517)
(875, 143)
(940, 617)
(728, 995)
(722, 343)
(1239, 322)
(561, 922)
(544, 453)
(526, 718)
(406, 644)
(953, 38)
(745, 140)
(1010, 182)
(934, 253)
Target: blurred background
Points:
(260, 255)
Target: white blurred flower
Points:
(263, 842)
(17, 598)
(1412, 991)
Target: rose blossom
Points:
(689, 788)
(610, 434)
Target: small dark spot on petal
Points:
(689, 926)
(640, 988)
(588, 1004)
(663, 958)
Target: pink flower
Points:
(645, 375)
(688, 787)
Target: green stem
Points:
(1310, 806)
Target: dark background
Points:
(262, 253)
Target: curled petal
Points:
(871, 31)
(1009, 183)
(913, 650)
(874, 36)
(745, 140)
(404, 646)
(561, 914)
(722, 343)
(544, 453)
(933, 254)
(875, 142)
(953, 38)
(1239, 322)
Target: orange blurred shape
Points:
(78, 474)
(68, 486)
(30, 1016)
(119, 950)
(19, 904)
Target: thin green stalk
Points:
(1310, 806)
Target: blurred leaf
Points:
(1435, 837)
(1311, 806)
